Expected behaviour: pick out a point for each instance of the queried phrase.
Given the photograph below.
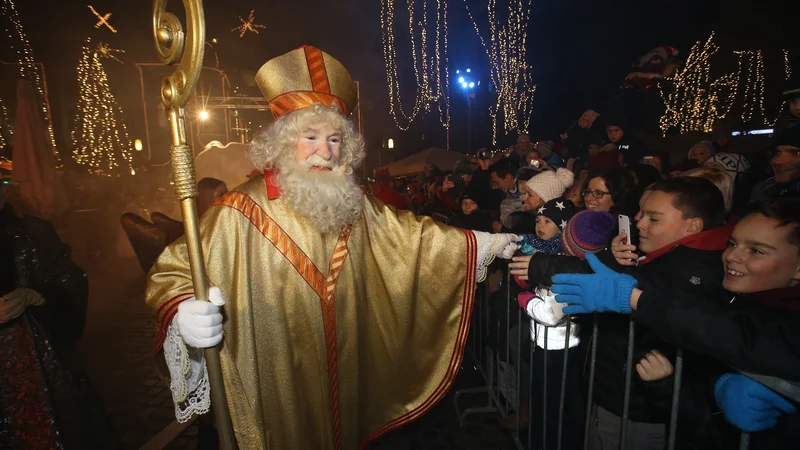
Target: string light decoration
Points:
(27, 66)
(100, 138)
(6, 127)
(755, 86)
(430, 73)
(106, 52)
(786, 66)
(102, 20)
(248, 25)
(691, 106)
(696, 102)
(510, 73)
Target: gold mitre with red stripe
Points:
(303, 77)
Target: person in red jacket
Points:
(384, 192)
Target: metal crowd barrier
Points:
(501, 386)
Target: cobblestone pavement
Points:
(117, 352)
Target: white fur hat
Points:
(549, 185)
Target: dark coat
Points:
(693, 264)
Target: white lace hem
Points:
(188, 376)
(486, 243)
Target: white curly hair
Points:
(329, 200)
(280, 138)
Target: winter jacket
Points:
(511, 204)
(756, 333)
(540, 303)
(548, 314)
(693, 264)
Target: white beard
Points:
(329, 200)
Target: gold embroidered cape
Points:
(330, 341)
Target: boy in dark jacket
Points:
(753, 327)
(679, 233)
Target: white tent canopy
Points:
(414, 164)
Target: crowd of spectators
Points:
(710, 268)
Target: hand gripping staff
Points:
(174, 45)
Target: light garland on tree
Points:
(106, 52)
(433, 82)
(99, 137)
(509, 71)
(27, 65)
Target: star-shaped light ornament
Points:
(560, 205)
(541, 210)
(248, 25)
(104, 51)
(563, 225)
(102, 20)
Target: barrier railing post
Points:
(508, 344)
(744, 441)
(563, 384)
(544, 389)
(590, 392)
(519, 370)
(623, 436)
(530, 379)
(676, 394)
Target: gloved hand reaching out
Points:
(602, 291)
(200, 322)
(502, 242)
(748, 404)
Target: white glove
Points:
(500, 243)
(200, 322)
(509, 251)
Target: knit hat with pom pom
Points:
(587, 232)
(549, 185)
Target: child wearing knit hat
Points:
(551, 219)
(586, 232)
(544, 187)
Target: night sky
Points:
(580, 50)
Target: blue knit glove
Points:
(748, 404)
(602, 291)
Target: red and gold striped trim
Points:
(458, 351)
(277, 237)
(303, 264)
(164, 315)
(292, 101)
(317, 70)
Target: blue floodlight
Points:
(472, 85)
(460, 79)
(467, 70)
(464, 85)
(457, 72)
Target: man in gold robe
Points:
(343, 318)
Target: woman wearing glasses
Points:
(612, 190)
